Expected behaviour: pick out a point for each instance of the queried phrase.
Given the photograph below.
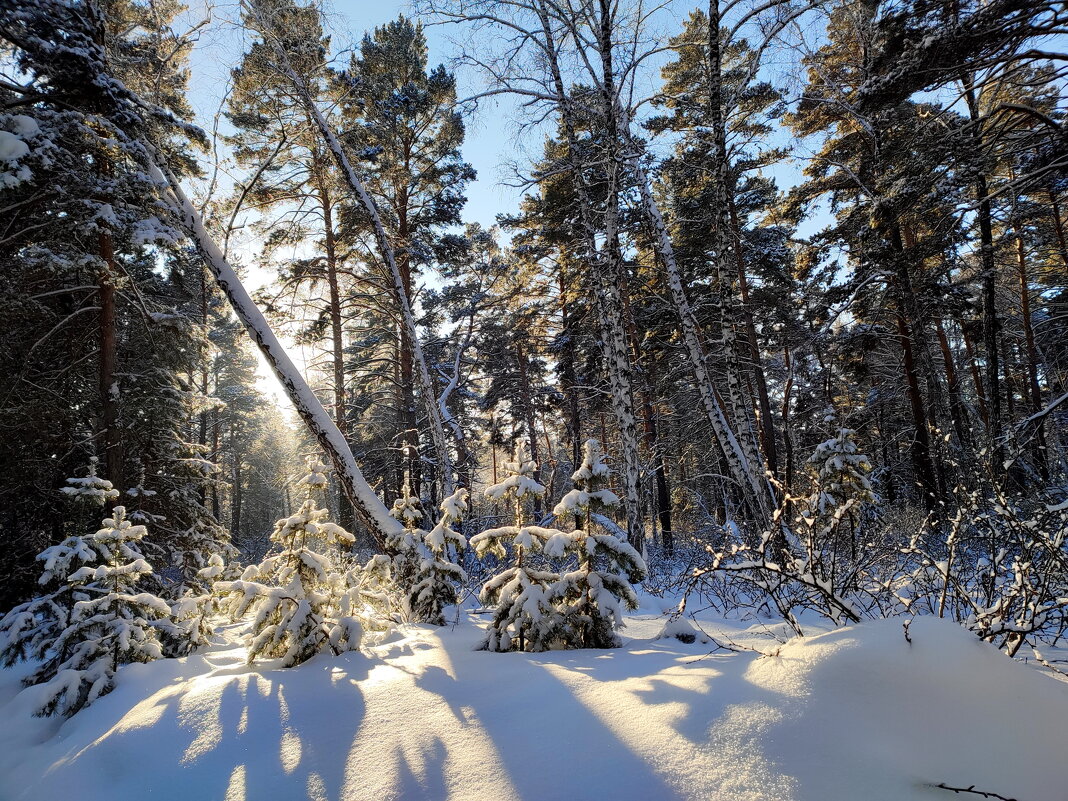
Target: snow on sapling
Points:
(298, 598)
(193, 612)
(437, 572)
(406, 546)
(840, 476)
(373, 596)
(91, 488)
(524, 618)
(590, 599)
(100, 621)
(29, 629)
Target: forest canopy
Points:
(796, 270)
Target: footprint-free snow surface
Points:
(855, 714)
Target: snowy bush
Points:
(93, 623)
(405, 547)
(193, 611)
(1001, 568)
(424, 565)
(815, 559)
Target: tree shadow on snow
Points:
(549, 743)
(236, 734)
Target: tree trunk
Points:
(662, 495)
(237, 498)
(337, 338)
(920, 447)
(991, 323)
(1035, 393)
(977, 381)
(725, 298)
(606, 268)
(752, 484)
(958, 412)
(766, 426)
(368, 507)
(109, 390)
(568, 377)
(527, 401)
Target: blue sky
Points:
(491, 132)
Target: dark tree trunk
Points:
(109, 391)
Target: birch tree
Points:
(270, 19)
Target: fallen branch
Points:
(973, 791)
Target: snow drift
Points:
(855, 713)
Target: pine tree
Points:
(99, 329)
(298, 597)
(590, 600)
(401, 119)
(525, 619)
(95, 622)
(437, 573)
(841, 487)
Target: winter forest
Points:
(534, 399)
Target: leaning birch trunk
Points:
(371, 512)
(446, 472)
(609, 303)
(725, 298)
(749, 477)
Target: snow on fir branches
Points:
(591, 598)
(93, 622)
(538, 608)
(298, 598)
(91, 488)
(425, 563)
(524, 619)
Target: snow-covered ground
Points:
(855, 714)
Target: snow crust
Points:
(855, 713)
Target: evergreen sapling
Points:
(590, 599)
(525, 619)
(299, 600)
(438, 573)
(93, 623)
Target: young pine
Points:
(525, 619)
(298, 599)
(92, 623)
(589, 600)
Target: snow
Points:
(855, 713)
(12, 147)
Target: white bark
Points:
(744, 470)
(371, 512)
(435, 414)
(606, 266)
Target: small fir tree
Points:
(91, 488)
(841, 487)
(438, 573)
(590, 599)
(299, 600)
(93, 623)
(194, 610)
(405, 546)
(525, 618)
